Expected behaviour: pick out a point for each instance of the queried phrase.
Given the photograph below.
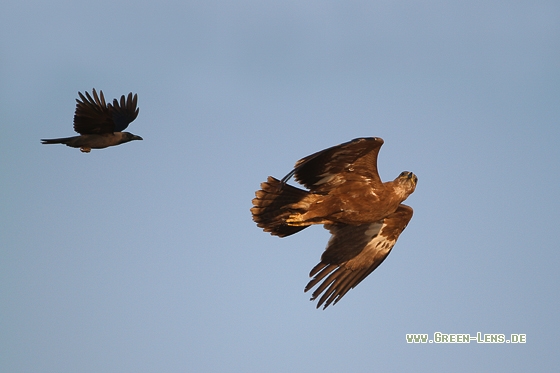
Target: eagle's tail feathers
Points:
(272, 207)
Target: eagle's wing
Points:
(354, 160)
(92, 115)
(353, 252)
(124, 113)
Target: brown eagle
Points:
(99, 124)
(364, 215)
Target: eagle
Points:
(99, 124)
(364, 215)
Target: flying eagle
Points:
(100, 125)
(364, 215)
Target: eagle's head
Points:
(406, 183)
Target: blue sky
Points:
(144, 257)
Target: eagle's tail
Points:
(272, 207)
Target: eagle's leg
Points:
(84, 149)
(296, 220)
(300, 220)
(316, 211)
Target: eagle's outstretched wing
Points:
(353, 252)
(354, 160)
(94, 116)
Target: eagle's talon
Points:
(294, 220)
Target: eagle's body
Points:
(99, 124)
(364, 215)
(349, 203)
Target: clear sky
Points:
(144, 257)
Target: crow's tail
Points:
(62, 140)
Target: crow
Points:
(100, 125)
